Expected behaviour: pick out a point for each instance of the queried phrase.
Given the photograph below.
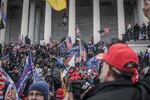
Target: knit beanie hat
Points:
(42, 87)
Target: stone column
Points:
(135, 14)
(96, 21)
(121, 18)
(32, 21)
(37, 25)
(2, 31)
(24, 23)
(141, 18)
(72, 20)
(48, 22)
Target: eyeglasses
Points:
(36, 94)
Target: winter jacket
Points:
(122, 90)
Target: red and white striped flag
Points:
(11, 88)
(66, 61)
(2, 86)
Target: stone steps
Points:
(138, 42)
(139, 45)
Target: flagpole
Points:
(80, 52)
(61, 43)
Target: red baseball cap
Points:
(119, 55)
(60, 93)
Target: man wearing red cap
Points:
(119, 77)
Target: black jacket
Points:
(121, 90)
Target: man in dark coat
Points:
(136, 31)
(27, 40)
(143, 31)
(119, 77)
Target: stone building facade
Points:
(40, 22)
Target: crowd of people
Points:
(49, 62)
(79, 71)
(143, 58)
(137, 32)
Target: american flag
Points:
(92, 63)
(66, 45)
(2, 86)
(4, 77)
(66, 61)
(81, 54)
(27, 72)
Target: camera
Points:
(77, 87)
